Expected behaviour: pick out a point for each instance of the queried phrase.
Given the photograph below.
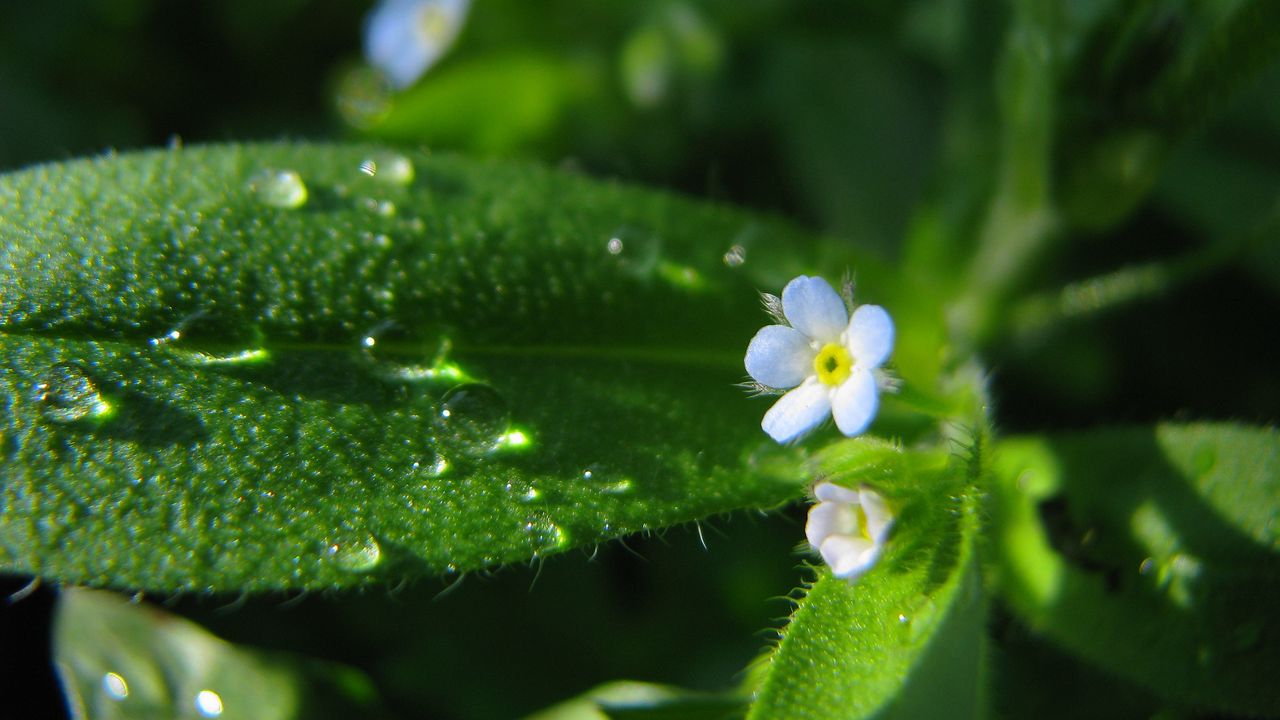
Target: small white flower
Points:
(404, 38)
(848, 528)
(828, 357)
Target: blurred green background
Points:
(867, 121)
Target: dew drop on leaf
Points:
(208, 703)
(388, 167)
(635, 250)
(279, 188)
(382, 208)
(735, 256)
(396, 354)
(115, 687)
(199, 339)
(545, 535)
(473, 417)
(524, 492)
(436, 465)
(363, 96)
(608, 483)
(67, 394)
(361, 555)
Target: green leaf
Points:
(496, 104)
(1151, 74)
(121, 659)
(887, 646)
(213, 380)
(1152, 552)
(629, 700)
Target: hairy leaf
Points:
(903, 640)
(213, 378)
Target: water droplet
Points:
(208, 703)
(474, 417)
(903, 619)
(545, 535)
(635, 250)
(1147, 566)
(607, 482)
(435, 466)
(392, 352)
(388, 167)
(67, 394)
(279, 188)
(383, 208)
(360, 556)
(523, 492)
(735, 256)
(515, 440)
(363, 97)
(114, 686)
(201, 340)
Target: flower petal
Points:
(797, 412)
(879, 518)
(855, 402)
(779, 357)
(830, 492)
(849, 556)
(404, 38)
(870, 336)
(827, 519)
(814, 308)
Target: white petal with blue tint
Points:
(830, 518)
(779, 357)
(813, 307)
(848, 528)
(797, 412)
(404, 38)
(870, 336)
(849, 557)
(830, 492)
(855, 402)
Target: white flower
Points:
(848, 528)
(829, 358)
(404, 38)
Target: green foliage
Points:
(273, 446)
(645, 701)
(850, 649)
(1152, 552)
(271, 368)
(126, 660)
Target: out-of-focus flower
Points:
(404, 38)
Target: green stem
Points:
(1038, 313)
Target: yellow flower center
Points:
(863, 530)
(833, 364)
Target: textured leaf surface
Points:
(850, 649)
(1152, 552)
(211, 381)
